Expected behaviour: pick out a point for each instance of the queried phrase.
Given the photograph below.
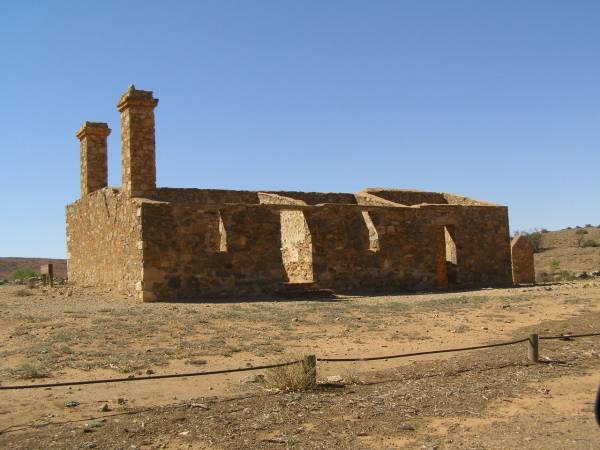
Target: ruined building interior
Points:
(194, 244)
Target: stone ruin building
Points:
(191, 244)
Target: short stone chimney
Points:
(138, 154)
(93, 167)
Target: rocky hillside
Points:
(567, 252)
(9, 264)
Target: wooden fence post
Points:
(533, 351)
(47, 272)
(309, 364)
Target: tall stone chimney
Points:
(138, 154)
(93, 167)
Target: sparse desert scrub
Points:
(293, 377)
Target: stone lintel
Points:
(93, 129)
(135, 97)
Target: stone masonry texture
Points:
(523, 270)
(93, 156)
(163, 244)
(138, 154)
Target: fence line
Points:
(431, 352)
(149, 377)
(567, 337)
(309, 363)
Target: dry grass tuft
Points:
(290, 378)
(29, 372)
(23, 293)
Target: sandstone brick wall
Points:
(103, 236)
(408, 197)
(482, 242)
(523, 269)
(194, 251)
(93, 156)
(314, 198)
(168, 244)
(345, 261)
(205, 196)
(178, 263)
(138, 147)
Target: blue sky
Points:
(495, 100)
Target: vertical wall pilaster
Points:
(93, 157)
(138, 146)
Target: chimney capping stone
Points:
(93, 129)
(135, 97)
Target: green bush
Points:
(24, 272)
(567, 275)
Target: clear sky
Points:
(498, 100)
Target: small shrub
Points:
(566, 275)
(590, 243)
(580, 234)
(29, 372)
(544, 277)
(290, 378)
(25, 272)
(554, 264)
(23, 293)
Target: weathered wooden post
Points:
(533, 351)
(309, 364)
(47, 271)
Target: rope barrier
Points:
(150, 377)
(569, 336)
(272, 366)
(431, 352)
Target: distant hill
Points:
(9, 264)
(571, 250)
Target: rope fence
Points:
(310, 363)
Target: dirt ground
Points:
(474, 400)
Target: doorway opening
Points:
(296, 247)
(446, 256)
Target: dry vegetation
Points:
(8, 265)
(564, 254)
(447, 401)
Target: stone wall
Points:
(138, 153)
(205, 196)
(103, 241)
(346, 260)
(177, 244)
(93, 156)
(408, 197)
(314, 198)
(523, 269)
(182, 259)
(193, 251)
